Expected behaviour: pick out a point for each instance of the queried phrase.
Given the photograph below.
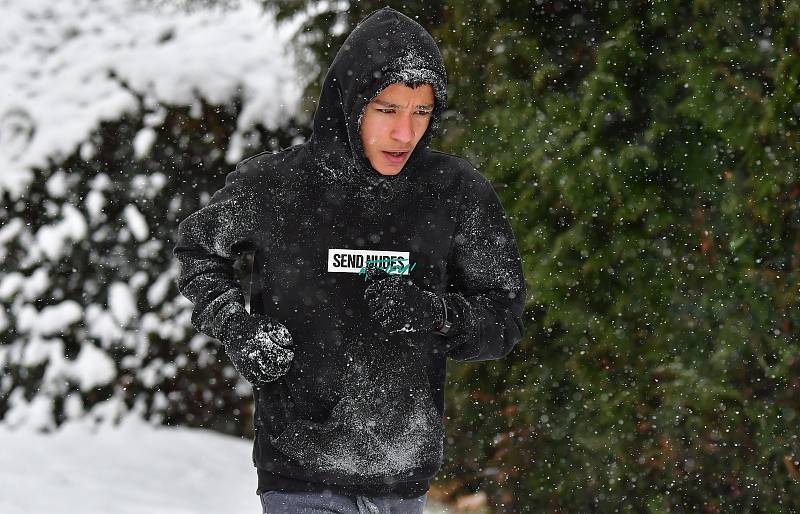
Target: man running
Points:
(376, 259)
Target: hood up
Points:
(384, 48)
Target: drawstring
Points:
(365, 506)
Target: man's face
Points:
(395, 121)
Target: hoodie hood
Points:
(384, 48)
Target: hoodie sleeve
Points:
(208, 242)
(487, 293)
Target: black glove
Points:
(257, 345)
(399, 305)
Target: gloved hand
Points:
(400, 305)
(258, 346)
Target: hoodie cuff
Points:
(229, 321)
(455, 314)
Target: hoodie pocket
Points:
(385, 428)
(272, 408)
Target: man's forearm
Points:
(483, 328)
(209, 283)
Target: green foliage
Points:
(648, 154)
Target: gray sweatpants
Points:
(279, 502)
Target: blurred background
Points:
(648, 156)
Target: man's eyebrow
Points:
(395, 106)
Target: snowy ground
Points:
(136, 468)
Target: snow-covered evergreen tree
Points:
(118, 119)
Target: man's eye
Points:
(387, 111)
(424, 113)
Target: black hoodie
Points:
(359, 410)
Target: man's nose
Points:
(403, 129)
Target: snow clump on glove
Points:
(258, 346)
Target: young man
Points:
(376, 259)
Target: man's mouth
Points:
(395, 157)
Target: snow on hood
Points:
(384, 48)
